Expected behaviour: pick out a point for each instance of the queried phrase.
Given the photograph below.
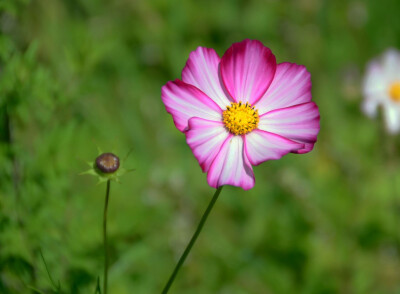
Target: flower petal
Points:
(375, 82)
(201, 70)
(370, 105)
(231, 166)
(299, 123)
(247, 70)
(205, 138)
(392, 117)
(184, 101)
(391, 64)
(291, 86)
(261, 146)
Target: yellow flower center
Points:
(240, 118)
(394, 91)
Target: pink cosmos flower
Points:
(241, 110)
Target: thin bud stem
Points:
(105, 282)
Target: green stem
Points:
(192, 241)
(55, 287)
(105, 282)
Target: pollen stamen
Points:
(394, 91)
(240, 118)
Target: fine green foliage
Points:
(80, 74)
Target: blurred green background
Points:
(80, 74)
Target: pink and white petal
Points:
(298, 123)
(375, 81)
(231, 166)
(247, 70)
(392, 117)
(205, 138)
(201, 70)
(291, 86)
(261, 146)
(184, 101)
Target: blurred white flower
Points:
(382, 88)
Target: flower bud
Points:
(107, 163)
(107, 167)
